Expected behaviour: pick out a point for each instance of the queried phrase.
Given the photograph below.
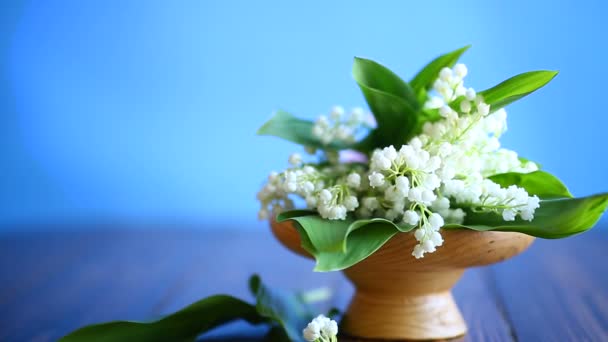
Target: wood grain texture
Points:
(399, 297)
(559, 292)
(51, 283)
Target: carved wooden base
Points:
(425, 317)
(398, 297)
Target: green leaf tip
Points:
(516, 87)
(555, 219)
(424, 79)
(254, 283)
(539, 183)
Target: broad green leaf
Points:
(288, 127)
(557, 218)
(424, 78)
(391, 100)
(338, 244)
(539, 183)
(290, 311)
(376, 76)
(183, 325)
(516, 87)
(287, 312)
(324, 235)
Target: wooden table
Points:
(54, 282)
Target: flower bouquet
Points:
(404, 200)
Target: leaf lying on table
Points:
(557, 218)
(183, 325)
(286, 312)
(339, 244)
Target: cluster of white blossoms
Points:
(339, 127)
(321, 329)
(331, 189)
(427, 182)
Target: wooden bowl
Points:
(398, 297)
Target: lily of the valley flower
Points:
(321, 329)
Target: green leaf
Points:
(183, 325)
(338, 244)
(391, 100)
(557, 218)
(288, 312)
(288, 127)
(376, 76)
(424, 79)
(539, 183)
(516, 87)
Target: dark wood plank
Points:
(51, 283)
(476, 298)
(557, 290)
(228, 270)
(121, 275)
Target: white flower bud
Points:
(336, 112)
(419, 234)
(508, 215)
(445, 111)
(403, 184)
(418, 252)
(437, 239)
(371, 203)
(330, 328)
(263, 214)
(273, 176)
(415, 195)
(470, 94)
(312, 331)
(351, 203)
(428, 246)
(376, 179)
(445, 74)
(291, 186)
(357, 115)
(353, 180)
(308, 187)
(295, 159)
(483, 109)
(325, 196)
(465, 106)
(390, 153)
(411, 217)
(318, 131)
(460, 70)
(436, 221)
(427, 196)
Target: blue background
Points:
(146, 111)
